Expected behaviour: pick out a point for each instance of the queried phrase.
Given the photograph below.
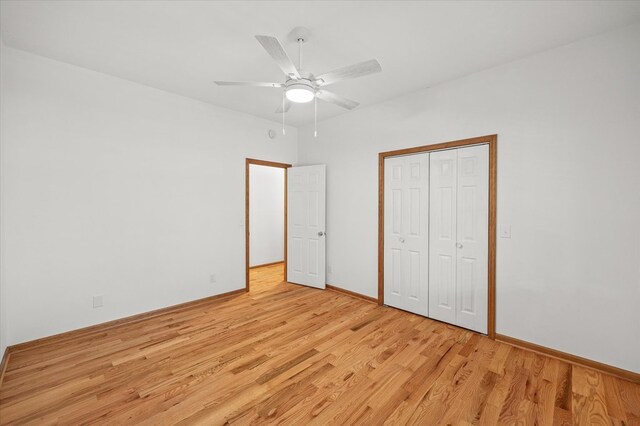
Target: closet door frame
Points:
(492, 141)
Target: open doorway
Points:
(265, 223)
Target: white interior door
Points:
(406, 240)
(459, 222)
(306, 225)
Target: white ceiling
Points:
(183, 46)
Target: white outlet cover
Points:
(97, 301)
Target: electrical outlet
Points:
(505, 231)
(212, 278)
(97, 301)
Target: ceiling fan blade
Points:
(371, 66)
(336, 99)
(248, 83)
(277, 52)
(287, 105)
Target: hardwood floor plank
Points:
(630, 395)
(589, 405)
(291, 355)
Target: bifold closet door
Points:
(458, 242)
(406, 239)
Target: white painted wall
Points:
(3, 311)
(568, 122)
(266, 214)
(116, 189)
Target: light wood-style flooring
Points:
(293, 355)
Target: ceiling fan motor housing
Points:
(300, 91)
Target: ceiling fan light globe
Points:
(300, 94)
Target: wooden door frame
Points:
(248, 163)
(492, 141)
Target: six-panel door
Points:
(306, 225)
(458, 236)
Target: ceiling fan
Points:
(301, 86)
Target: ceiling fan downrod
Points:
(300, 41)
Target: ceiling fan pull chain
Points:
(315, 116)
(283, 97)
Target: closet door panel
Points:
(393, 216)
(472, 237)
(416, 238)
(406, 258)
(442, 235)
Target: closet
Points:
(436, 225)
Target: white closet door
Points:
(458, 245)
(406, 239)
(442, 235)
(473, 232)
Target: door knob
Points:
(320, 234)
(458, 245)
(402, 240)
